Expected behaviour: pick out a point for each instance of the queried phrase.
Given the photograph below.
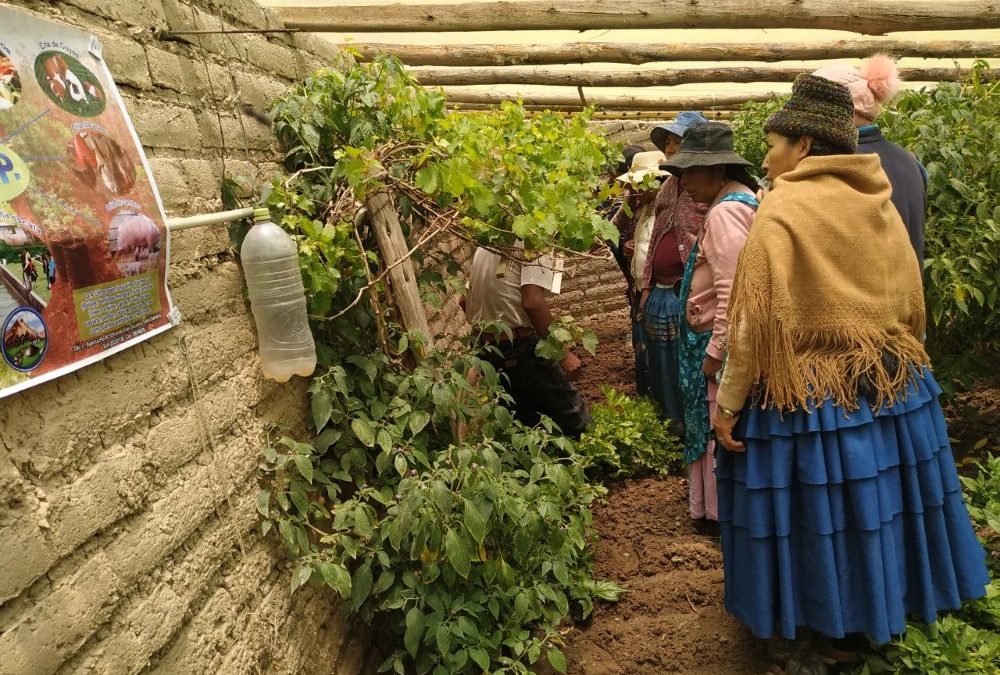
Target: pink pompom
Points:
(883, 77)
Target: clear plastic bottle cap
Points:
(261, 214)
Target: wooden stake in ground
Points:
(610, 52)
(871, 17)
(402, 276)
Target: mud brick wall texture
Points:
(591, 288)
(127, 519)
(628, 132)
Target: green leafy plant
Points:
(502, 176)
(473, 550)
(418, 498)
(954, 130)
(967, 641)
(948, 647)
(748, 131)
(564, 334)
(983, 498)
(629, 439)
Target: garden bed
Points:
(672, 619)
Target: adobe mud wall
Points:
(591, 287)
(127, 489)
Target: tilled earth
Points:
(672, 619)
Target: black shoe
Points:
(708, 528)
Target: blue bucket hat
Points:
(684, 121)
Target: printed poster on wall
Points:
(83, 244)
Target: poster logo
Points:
(14, 174)
(25, 339)
(69, 84)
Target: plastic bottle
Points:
(278, 300)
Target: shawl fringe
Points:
(792, 368)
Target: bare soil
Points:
(672, 619)
(614, 363)
(974, 418)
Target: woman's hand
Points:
(711, 366)
(643, 299)
(629, 248)
(723, 427)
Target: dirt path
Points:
(672, 619)
(974, 419)
(614, 364)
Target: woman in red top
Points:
(676, 225)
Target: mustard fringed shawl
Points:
(826, 286)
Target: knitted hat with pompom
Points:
(872, 85)
(819, 108)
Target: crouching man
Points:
(516, 293)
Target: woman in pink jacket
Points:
(714, 175)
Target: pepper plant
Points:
(954, 129)
(417, 496)
(475, 545)
(629, 438)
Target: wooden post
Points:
(871, 17)
(637, 54)
(533, 75)
(402, 276)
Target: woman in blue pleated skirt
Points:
(840, 507)
(662, 315)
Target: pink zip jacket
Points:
(726, 229)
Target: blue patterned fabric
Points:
(662, 315)
(642, 386)
(692, 359)
(846, 522)
(694, 388)
(741, 197)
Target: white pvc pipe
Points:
(174, 224)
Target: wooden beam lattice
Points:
(870, 17)
(533, 75)
(637, 54)
(609, 101)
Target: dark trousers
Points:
(539, 387)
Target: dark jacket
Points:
(908, 179)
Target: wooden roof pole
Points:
(636, 54)
(871, 17)
(533, 75)
(617, 102)
(599, 115)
